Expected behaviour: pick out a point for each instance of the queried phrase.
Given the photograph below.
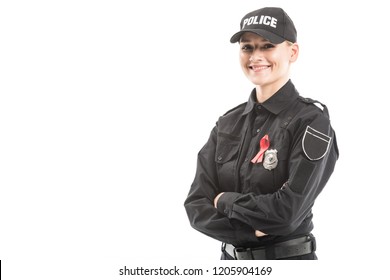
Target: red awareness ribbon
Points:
(264, 145)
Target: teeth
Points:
(259, 67)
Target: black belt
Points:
(286, 249)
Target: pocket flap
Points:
(227, 148)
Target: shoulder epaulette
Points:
(315, 102)
(234, 108)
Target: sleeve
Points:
(311, 164)
(199, 203)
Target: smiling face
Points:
(265, 64)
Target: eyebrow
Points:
(248, 41)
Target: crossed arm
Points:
(258, 233)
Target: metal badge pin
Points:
(270, 159)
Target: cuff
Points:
(226, 201)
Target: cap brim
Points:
(275, 39)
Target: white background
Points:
(105, 104)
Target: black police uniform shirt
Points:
(275, 195)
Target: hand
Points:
(259, 233)
(216, 199)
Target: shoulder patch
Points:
(315, 144)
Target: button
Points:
(219, 158)
(258, 130)
(258, 107)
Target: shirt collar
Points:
(277, 102)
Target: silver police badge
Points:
(270, 159)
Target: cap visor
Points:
(263, 33)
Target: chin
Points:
(259, 82)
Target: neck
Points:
(264, 92)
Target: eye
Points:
(267, 46)
(247, 48)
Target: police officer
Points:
(266, 160)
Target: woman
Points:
(266, 160)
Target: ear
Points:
(294, 50)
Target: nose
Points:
(257, 55)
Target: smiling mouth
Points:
(258, 68)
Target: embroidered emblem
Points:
(315, 144)
(270, 159)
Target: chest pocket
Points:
(264, 181)
(226, 156)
